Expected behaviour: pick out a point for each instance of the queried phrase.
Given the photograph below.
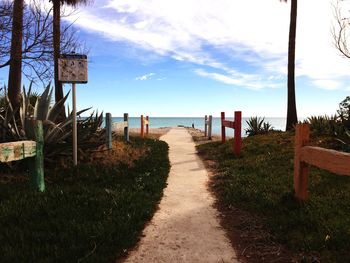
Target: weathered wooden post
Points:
(205, 125)
(36, 164)
(75, 128)
(223, 131)
(126, 128)
(210, 126)
(109, 130)
(142, 126)
(302, 135)
(238, 133)
(147, 126)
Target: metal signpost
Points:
(73, 68)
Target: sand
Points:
(153, 132)
(186, 227)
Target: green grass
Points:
(261, 181)
(90, 214)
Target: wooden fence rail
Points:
(144, 121)
(33, 150)
(111, 126)
(208, 125)
(237, 126)
(330, 160)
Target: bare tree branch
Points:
(37, 50)
(340, 31)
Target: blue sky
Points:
(197, 57)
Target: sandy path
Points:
(185, 228)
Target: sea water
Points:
(198, 122)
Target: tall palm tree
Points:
(57, 39)
(15, 71)
(292, 118)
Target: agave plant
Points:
(256, 125)
(322, 125)
(345, 141)
(57, 132)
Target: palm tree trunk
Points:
(292, 118)
(57, 46)
(57, 51)
(15, 71)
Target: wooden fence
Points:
(111, 126)
(237, 126)
(330, 160)
(208, 124)
(144, 121)
(33, 150)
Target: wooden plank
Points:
(142, 126)
(147, 124)
(238, 133)
(37, 172)
(205, 125)
(126, 128)
(210, 126)
(109, 130)
(302, 134)
(223, 131)
(330, 160)
(15, 151)
(228, 124)
(119, 125)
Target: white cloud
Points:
(145, 77)
(326, 84)
(252, 31)
(249, 81)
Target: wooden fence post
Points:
(142, 126)
(205, 125)
(302, 134)
(37, 180)
(147, 126)
(223, 132)
(238, 133)
(126, 128)
(210, 126)
(109, 130)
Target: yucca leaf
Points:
(42, 105)
(57, 109)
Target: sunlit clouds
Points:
(220, 37)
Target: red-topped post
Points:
(223, 132)
(142, 126)
(238, 133)
(147, 127)
(302, 135)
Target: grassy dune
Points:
(261, 181)
(93, 213)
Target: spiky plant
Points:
(57, 134)
(256, 125)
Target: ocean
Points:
(159, 122)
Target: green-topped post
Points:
(37, 181)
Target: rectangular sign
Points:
(73, 68)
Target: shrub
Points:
(16, 125)
(256, 125)
(344, 112)
(324, 125)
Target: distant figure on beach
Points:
(193, 125)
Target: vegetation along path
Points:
(186, 227)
